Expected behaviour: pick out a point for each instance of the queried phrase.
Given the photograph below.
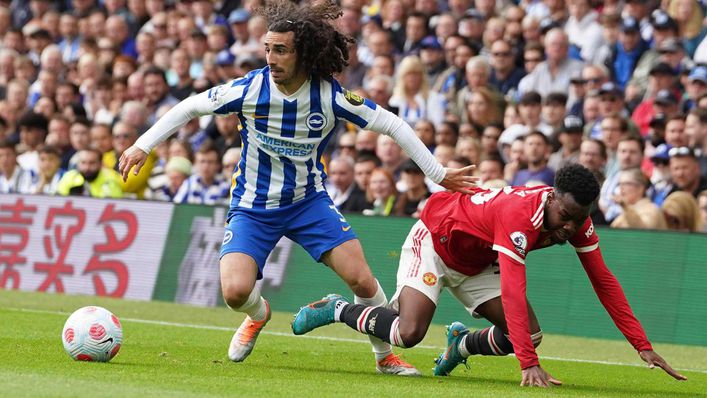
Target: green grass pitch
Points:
(173, 350)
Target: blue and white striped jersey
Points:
(284, 136)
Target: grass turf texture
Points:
(160, 360)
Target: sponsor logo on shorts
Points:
(345, 228)
(520, 241)
(429, 278)
(227, 236)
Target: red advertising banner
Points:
(81, 245)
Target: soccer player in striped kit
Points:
(288, 111)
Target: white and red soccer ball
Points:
(92, 334)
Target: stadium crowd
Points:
(518, 88)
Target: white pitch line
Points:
(337, 339)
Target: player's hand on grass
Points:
(537, 376)
(132, 156)
(653, 359)
(459, 180)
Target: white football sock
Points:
(255, 307)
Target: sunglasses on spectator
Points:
(501, 54)
(680, 151)
(594, 80)
(346, 147)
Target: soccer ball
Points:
(92, 334)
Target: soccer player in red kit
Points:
(461, 243)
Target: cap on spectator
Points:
(225, 58)
(663, 21)
(555, 98)
(531, 98)
(548, 23)
(698, 73)
(610, 88)
(670, 46)
(430, 42)
(180, 164)
(409, 166)
(662, 68)
(239, 15)
(376, 18)
(474, 14)
(662, 152)
(665, 97)
(658, 121)
(630, 25)
(572, 124)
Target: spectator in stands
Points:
(489, 141)
(688, 14)
(125, 135)
(530, 111)
(682, 212)
(490, 169)
(90, 178)
(390, 154)
(583, 30)
(156, 93)
(536, 148)
(181, 84)
(80, 138)
(412, 95)
(366, 141)
(344, 191)
(505, 75)
(206, 186)
(592, 155)
(482, 109)
(13, 178)
(675, 134)
(432, 57)
(629, 155)
(553, 110)
(554, 73)
(50, 172)
(660, 177)
(166, 186)
(425, 131)
(363, 167)
(685, 171)
(696, 131)
(570, 138)
(662, 77)
(33, 130)
(381, 193)
(638, 211)
(411, 201)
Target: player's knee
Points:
(537, 338)
(412, 334)
(363, 284)
(235, 295)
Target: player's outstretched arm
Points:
(167, 125)
(653, 359)
(535, 376)
(460, 180)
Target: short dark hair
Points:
(634, 138)
(49, 149)
(33, 120)
(368, 156)
(155, 70)
(537, 133)
(579, 182)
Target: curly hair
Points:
(579, 182)
(320, 48)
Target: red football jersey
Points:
(470, 232)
